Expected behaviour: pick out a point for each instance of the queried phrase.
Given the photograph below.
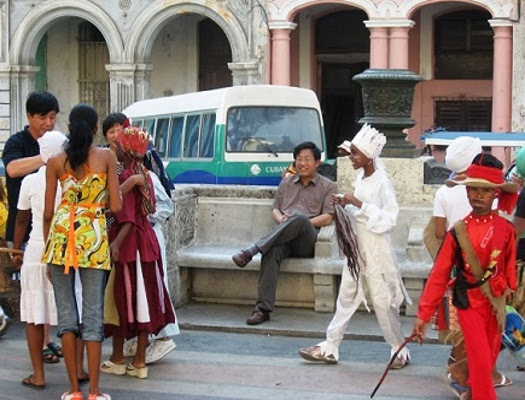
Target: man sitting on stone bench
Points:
(301, 207)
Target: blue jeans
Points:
(93, 285)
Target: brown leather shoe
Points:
(258, 317)
(242, 258)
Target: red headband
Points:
(491, 174)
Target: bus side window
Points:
(161, 134)
(191, 136)
(207, 135)
(175, 138)
(138, 123)
(149, 124)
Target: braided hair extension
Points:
(348, 242)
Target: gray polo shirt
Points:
(311, 200)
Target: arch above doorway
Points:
(288, 9)
(150, 22)
(37, 22)
(496, 9)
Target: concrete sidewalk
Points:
(283, 322)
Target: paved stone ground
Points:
(258, 364)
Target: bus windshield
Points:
(271, 129)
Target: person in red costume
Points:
(482, 249)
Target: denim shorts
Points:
(93, 286)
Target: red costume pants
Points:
(483, 341)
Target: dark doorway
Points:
(341, 103)
(342, 51)
(214, 56)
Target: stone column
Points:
(398, 52)
(127, 84)
(502, 83)
(245, 73)
(22, 83)
(502, 76)
(378, 44)
(281, 51)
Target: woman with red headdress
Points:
(136, 286)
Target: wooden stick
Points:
(408, 339)
(11, 251)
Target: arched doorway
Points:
(214, 56)
(190, 53)
(342, 50)
(72, 57)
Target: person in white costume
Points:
(37, 301)
(374, 210)
(451, 203)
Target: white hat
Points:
(369, 141)
(461, 152)
(345, 146)
(51, 144)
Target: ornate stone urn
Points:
(387, 100)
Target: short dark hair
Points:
(307, 146)
(41, 103)
(111, 120)
(487, 160)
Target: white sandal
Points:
(141, 373)
(110, 367)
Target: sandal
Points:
(56, 349)
(72, 396)
(101, 396)
(139, 372)
(111, 368)
(504, 382)
(27, 383)
(49, 357)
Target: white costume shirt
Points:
(32, 197)
(451, 203)
(37, 301)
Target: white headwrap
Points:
(461, 152)
(369, 141)
(51, 144)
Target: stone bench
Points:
(217, 222)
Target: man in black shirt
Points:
(21, 154)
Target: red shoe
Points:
(72, 396)
(101, 396)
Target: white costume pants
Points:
(386, 291)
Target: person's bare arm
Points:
(131, 182)
(115, 197)
(441, 227)
(321, 220)
(115, 245)
(51, 191)
(278, 216)
(21, 223)
(24, 166)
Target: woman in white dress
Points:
(37, 301)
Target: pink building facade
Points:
(470, 53)
(462, 49)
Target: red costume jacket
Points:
(481, 233)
